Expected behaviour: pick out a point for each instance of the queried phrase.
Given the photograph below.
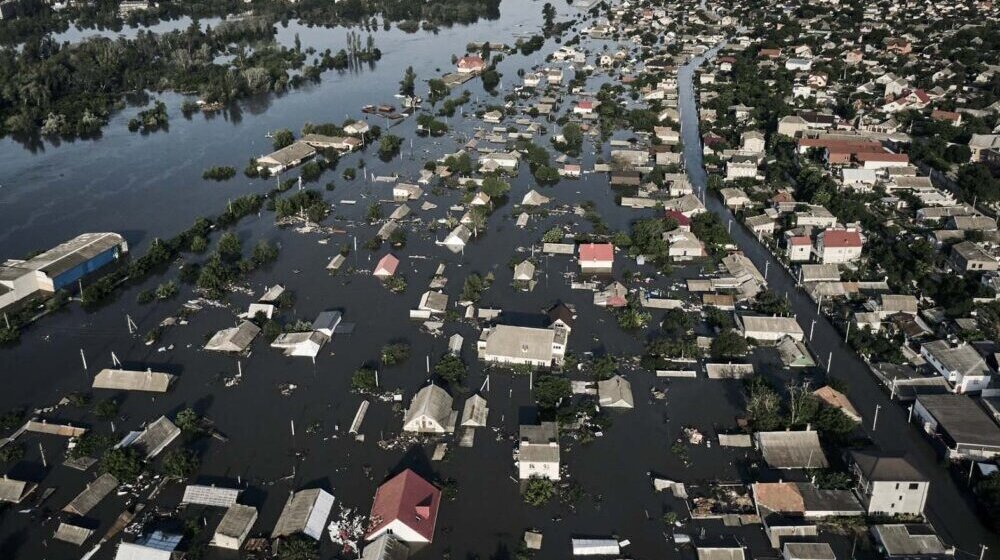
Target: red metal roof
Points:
(841, 238)
(800, 240)
(409, 499)
(585, 104)
(591, 252)
(680, 218)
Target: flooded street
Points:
(949, 509)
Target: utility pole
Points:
(910, 418)
(812, 327)
(875, 420)
(847, 334)
(829, 360)
(83, 358)
(982, 551)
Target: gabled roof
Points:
(409, 499)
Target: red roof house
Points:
(683, 222)
(597, 257)
(471, 63)
(406, 506)
(386, 266)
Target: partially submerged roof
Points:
(615, 392)
(237, 520)
(432, 401)
(235, 339)
(792, 450)
(720, 553)
(305, 512)
(386, 547)
(808, 551)
(130, 380)
(475, 411)
(92, 495)
(210, 495)
(14, 491)
(156, 437)
(72, 534)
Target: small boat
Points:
(368, 109)
(386, 109)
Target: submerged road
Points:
(949, 507)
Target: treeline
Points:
(70, 89)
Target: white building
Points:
(430, 412)
(508, 344)
(769, 329)
(889, 485)
(962, 366)
(538, 451)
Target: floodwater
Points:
(147, 186)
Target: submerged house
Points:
(300, 344)
(128, 380)
(15, 491)
(386, 267)
(430, 412)
(475, 412)
(406, 507)
(286, 158)
(536, 347)
(235, 527)
(538, 451)
(235, 339)
(615, 393)
(305, 512)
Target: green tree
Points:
(550, 390)
(364, 380)
(106, 409)
(229, 247)
(728, 344)
(450, 368)
(282, 139)
(495, 187)
(538, 491)
(395, 353)
(406, 84)
(180, 463)
(264, 253)
(188, 421)
(297, 547)
(388, 146)
(123, 463)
